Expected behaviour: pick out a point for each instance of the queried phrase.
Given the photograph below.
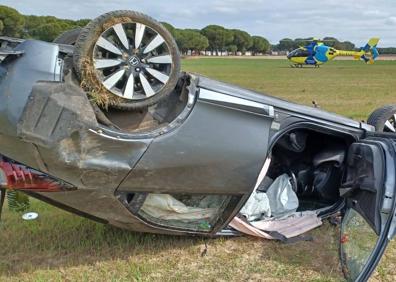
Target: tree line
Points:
(218, 39)
(288, 44)
(46, 28)
(387, 50)
(214, 38)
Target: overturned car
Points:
(103, 123)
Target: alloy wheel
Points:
(390, 124)
(132, 61)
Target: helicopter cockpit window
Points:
(299, 53)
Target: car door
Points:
(369, 222)
(196, 177)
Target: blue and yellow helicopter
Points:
(317, 53)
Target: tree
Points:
(49, 31)
(1, 26)
(170, 28)
(232, 48)
(218, 37)
(189, 39)
(36, 26)
(82, 22)
(334, 42)
(349, 45)
(260, 45)
(182, 40)
(33, 22)
(330, 41)
(388, 50)
(12, 21)
(303, 41)
(346, 45)
(287, 44)
(242, 40)
(199, 42)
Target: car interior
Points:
(315, 164)
(300, 187)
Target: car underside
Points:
(68, 138)
(194, 162)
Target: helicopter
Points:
(317, 53)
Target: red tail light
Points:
(20, 177)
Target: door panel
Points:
(217, 153)
(218, 150)
(365, 181)
(369, 189)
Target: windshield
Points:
(298, 53)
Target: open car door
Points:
(370, 220)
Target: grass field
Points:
(63, 247)
(346, 87)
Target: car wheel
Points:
(68, 37)
(126, 60)
(384, 119)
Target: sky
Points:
(354, 21)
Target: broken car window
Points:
(190, 212)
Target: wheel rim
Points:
(390, 124)
(132, 61)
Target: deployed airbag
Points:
(282, 199)
(166, 207)
(279, 200)
(257, 206)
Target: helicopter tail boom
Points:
(368, 53)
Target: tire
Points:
(384, 119)
(68, 37)
(147, 88)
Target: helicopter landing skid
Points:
(301, 66)
(296, 66)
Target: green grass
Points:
(59, 246)
(349, 88)
(63, 247)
